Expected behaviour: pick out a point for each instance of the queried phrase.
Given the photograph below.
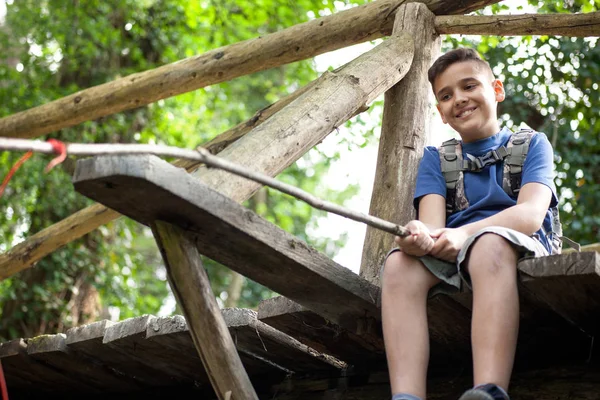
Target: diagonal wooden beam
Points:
(299, 42)
(230, 234)
(193, 292)
(44, 242)
(271, 147)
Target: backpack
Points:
(513, 155)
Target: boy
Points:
(479, 241)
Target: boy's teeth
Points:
(462, 114)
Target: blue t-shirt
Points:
(484, 189)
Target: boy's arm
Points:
(432, 211)
(526, 217)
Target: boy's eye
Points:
(470, 86)
(445, 97)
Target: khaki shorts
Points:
(453, 275)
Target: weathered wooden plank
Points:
(569, 285)
(575, 25)
(172, 332)
(362, 350)
(129, 338)
(88, 340)
(191, 287)
(53, 351)
(405, 128)
(356, 25)
(262, 340)
(23, 371)
(263, 252)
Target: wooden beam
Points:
(44, 242)
(406, 123)
(569, 285)
(230, 234)
(193, 292)
(271, 147)
(281, 140)
(575, 25)
(356, 25)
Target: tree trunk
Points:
(405, 128)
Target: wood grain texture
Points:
(405, 128)
(191, 287)
(229, 233)
(356, 25)
(574, 25)
(569, 285)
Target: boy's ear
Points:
(441, 113)
(499, 90)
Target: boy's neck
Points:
(468, 137)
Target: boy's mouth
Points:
(466, 112)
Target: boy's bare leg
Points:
(405, 285)
(492, 266)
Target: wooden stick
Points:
(203, 156)
(208, 329)
(299, 42)
(575, 25)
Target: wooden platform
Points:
(322, 341)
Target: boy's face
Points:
(467, 96)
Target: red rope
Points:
(59, 148)
(3, 384)
(13, 170)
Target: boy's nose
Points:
(459, 98)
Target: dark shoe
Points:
(488, 391)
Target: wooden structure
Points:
(323, 339)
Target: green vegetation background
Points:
(52, 48)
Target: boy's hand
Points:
(419, 242)
(448, 244)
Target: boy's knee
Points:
(402, 271)
(490, 256)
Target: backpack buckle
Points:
(489, 158)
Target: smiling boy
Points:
(474, 223)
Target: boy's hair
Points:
(456, 56)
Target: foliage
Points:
(53, 48)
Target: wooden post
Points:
(405, 127)
(209, 332)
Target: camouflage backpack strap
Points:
(453, 165)
(517, 149)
